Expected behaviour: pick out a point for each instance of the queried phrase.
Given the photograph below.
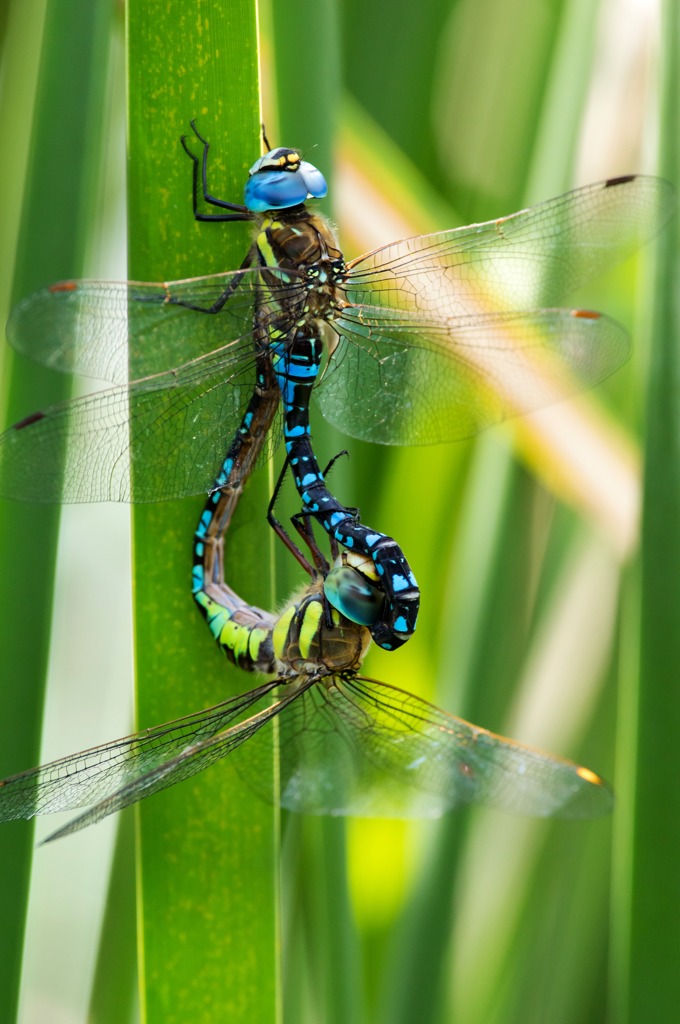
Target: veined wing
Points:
(115, 775)
(531, 258)
(105, 329)
(400, 377)
(175, 425)
(365, 748)
(350, 746)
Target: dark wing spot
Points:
(586, 314)
(63, 286)
(33, 418)
(623, 180)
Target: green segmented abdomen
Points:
(242, 630)
(248, 645)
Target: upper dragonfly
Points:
(433, 338)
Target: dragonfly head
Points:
(351, 587)
(281, 179)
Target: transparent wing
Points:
(175, 422)
(398, 377)
(421, 358)
(120, 773)
(528, 259)
(365, 748)
(440, 339)
(351, 746)
(176, 425)
(105, 329)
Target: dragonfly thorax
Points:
(305, 643)
(303, 243)
(297, 240)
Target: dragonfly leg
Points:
(351, 509)
(320, 565)
(302, 522)
(331, 462)
(240, 212)
(219, 303)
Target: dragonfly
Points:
(425, 340)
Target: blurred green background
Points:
(548, 614)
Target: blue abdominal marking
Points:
(296, 369)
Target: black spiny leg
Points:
(320, 565)
(353, 511)
(240, 212)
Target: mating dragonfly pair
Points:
(419, 354)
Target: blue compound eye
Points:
(314, 180)
(353, 595)
(279, 180)
(274, 190)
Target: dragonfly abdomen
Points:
(242, 630)
(296, 366)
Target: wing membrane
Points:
(531, 258)
(349, 745)
(423, 357)
(176, 424)
(119, 773)
(362, 747)
(399, 378)
(102, 329)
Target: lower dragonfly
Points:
(429, 339)
(347, 744)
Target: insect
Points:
(432, 338)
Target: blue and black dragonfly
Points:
(426, 340)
